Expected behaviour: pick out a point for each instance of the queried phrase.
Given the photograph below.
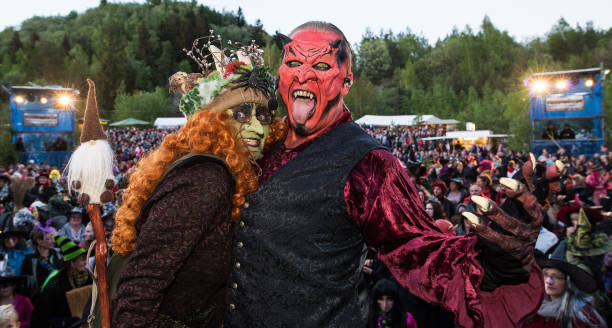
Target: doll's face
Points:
(385, 303)
(253, 124)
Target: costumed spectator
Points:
(45, 259)
(458, 220)
(195, 185)
(107, 215)
(42, 190)
(568, 217)
(434, 210)
(335, 191)
(14, 247)
(423, 196)
(9, 318)
(545, 156)
(51, 307)
(567, 132)
(470, 173)
(56, 179)
(8, 296)
(580, 189)
(457, 192)
(6, 195)
(385, 310)
(585, 248)
(485, 166)
(596, 180)
(439, 190)
(74, 229)
(459, 170)
(566, 302)
(475, 190)
(23, 221)
(88, 236)
(485, 182)
(511, 169)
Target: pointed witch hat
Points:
(92, 130)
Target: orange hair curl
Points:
(206, 132)
(278, 131)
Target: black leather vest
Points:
(298, 254)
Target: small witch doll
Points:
(90, 174)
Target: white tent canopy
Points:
(169, 122)
(402, 120)
(468, 135)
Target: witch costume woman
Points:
(174, 229)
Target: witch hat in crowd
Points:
(69, 249)
(587, 241)
(92, 130)
(558, 260)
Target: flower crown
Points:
(236, 64)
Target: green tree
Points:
(143, 105)
(374, 60)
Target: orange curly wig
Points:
(206, 132)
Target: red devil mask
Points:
(312, 83)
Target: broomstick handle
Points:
(101, 271)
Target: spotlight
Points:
(561, 84)
(64, 100)
(44, 100)
(539, 86)
(19, 99)
(588, 83)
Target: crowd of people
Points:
(44, 239)
(130, 144)
(574, 248)
(46, 234)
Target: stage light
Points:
(19, 99)
(44, 100)
(539, 86)
(588, 83)
(561, 84)
(64, 100)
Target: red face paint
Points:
(311, 82)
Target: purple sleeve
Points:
(439, 268)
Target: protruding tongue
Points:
(302, 109)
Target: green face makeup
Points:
(253, 124)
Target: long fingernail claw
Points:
(510, 183)
(483, 203)
(473, 218)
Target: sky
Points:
(523, 19)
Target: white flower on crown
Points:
(207, 89)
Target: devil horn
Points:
(282, 40)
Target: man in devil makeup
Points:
(328, 190)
